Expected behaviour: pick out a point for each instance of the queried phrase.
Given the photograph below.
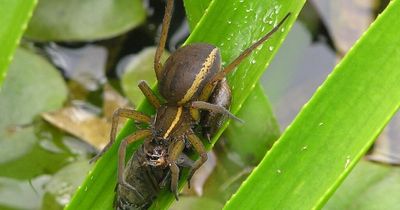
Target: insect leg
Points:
(121, 157)
(121, 112)
(163, 38)
(199, 147)
(148, 92)
(174, 150)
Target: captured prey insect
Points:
(147, 173)
(194, 94)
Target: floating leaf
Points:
(31, 81)
(31, 87)
(75, 20)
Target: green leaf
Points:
(75, 20)
(197, 203)
(70, 176)
(232, 33)
(14, 19)
(334, 129)
(252, 139)
(369, 186)
(31, 87)
(195, 11)
(31, 81)
(14, 191)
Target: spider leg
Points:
(148, 92)
(199, 147)
(163, 38)
(174, 150)
(121, 157)
(121, 112)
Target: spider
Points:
(192, 83)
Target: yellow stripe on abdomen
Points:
(200, 76)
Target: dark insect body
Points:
(142, 173)
(192, 83)
(145, 179)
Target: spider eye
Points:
(153, 158)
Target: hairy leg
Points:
(199, 147)
(148, 92)
(121, 157)
(174, 150)
(121, 112)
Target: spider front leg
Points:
(174, 150)
(199, 147)
(121, 112)
(121, 157)
(148, 92)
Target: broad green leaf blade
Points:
(75, 20)
(14, 19)
(334, 129)
(97, 192)
(195, 10)
(196, 203)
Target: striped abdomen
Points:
(187, 71)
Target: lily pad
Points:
(12, 192)
(75, 20)
(32, 86)
(63, 184)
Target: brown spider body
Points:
(187, 71)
